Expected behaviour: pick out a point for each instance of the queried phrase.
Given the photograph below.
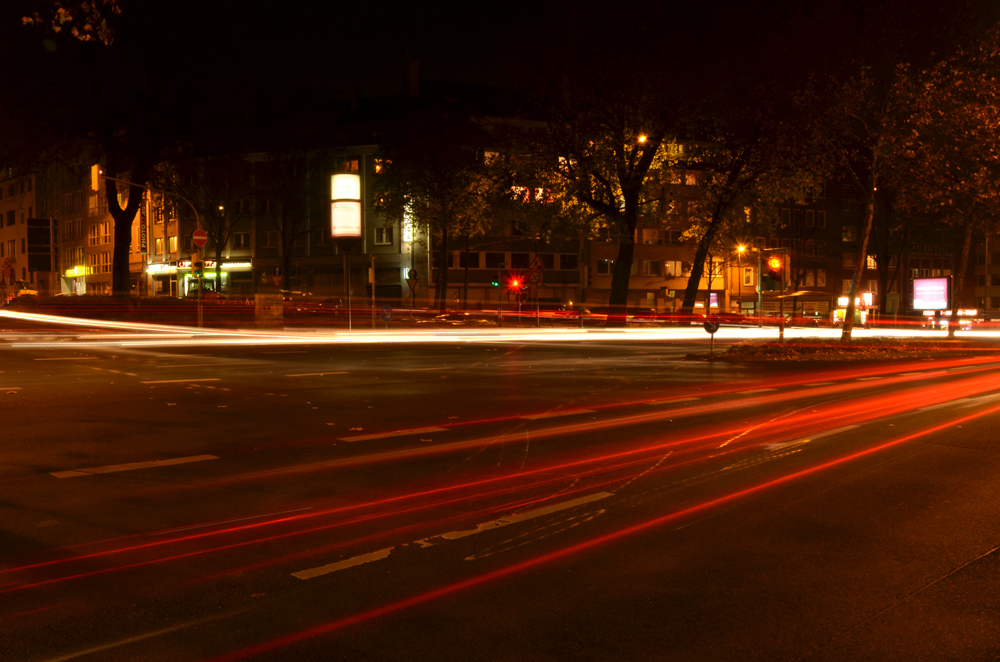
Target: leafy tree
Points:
(434, 174)
(220, 188)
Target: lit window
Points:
(383, 236)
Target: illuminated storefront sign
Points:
(345, 205)
(76, 271)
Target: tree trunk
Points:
(441, 278)
(618, 301)
(465, 291)
(698, 266)
(862, 260)
(120, 277)
(963, 264)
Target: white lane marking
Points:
(554, 414)
(317, 374)
(341, 565)
(112, 468)
(786, 444)
(10, 388)
(520, 517)
(670, 401)
(71, 358)
(983, 399)
(940, 405)
(147, 635)
(907, 374)
(181, 381)
(758, 390)
(394, 433)
(868, 379)
(226, 521)
(212, 365)
(296, 352)
(820, 384)
(422, 369)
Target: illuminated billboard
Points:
(931, 293)
(345, 205)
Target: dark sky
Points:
(336, 45)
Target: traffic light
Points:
(197, 268)
(774, 268)
(773, 273)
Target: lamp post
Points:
(739, 276)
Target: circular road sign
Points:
(199, 237)
(386, 313)
(712, 326)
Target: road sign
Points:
(277, 277)
(534, 277)
(412, 278)
(712, 326)
(386, 313)
(7, 269)
(536, 263)
(199, 237)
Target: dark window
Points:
(241, 240)
(493, 260)
(605, 266)
(548, 260)
(473, 260)
(10, 217)
(519, 260)
(568, 261)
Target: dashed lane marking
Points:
(820, 384)
(113, 468)
(317, 374)
(341, 565)
(531, 514)
(868, 379)
(394, 433)
(941, 405)
(554, 414)
(454, 535)
(828, 433)
(670, 401)
(70, 358)
(757, 390)
(181, 381)
(212, 365)
(423, 369)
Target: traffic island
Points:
(858, 350)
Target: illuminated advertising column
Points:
(345, 207)
(345, 224)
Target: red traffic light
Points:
(774, 263)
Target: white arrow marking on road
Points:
(112, 468)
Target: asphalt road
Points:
(179, 497)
